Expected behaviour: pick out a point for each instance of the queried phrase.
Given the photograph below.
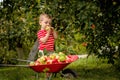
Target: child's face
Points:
(45, 22)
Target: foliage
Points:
(103, 37)
(93, 24)
(18, 26)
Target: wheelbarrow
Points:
(56, 68)
(50, 68)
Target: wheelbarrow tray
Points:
(50, 68)
(53, 68)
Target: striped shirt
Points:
(49, 45)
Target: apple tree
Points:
(18, 28)
(94, 24)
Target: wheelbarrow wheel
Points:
(68, 73)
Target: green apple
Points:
(53, 56)
(42, 59)
(62, 58)
(31, 63)
(61, 54)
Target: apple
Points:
(52, 56)
(31, 63)
(61, 53)
(47, 28)
(57, 56)
(92, 26)
(62, 58)
(54, 61)
(84, 44)
(49, 61)
(68, 60)
(38, 59)
(37, 63)
(48, 58)
(42, 59)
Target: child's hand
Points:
(52, 28)
(49, 29)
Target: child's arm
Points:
(44, 39)
(55, 34)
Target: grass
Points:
(87, 69)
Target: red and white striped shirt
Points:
(49, 45)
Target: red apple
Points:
(68, 60)
(54, 61)
(49, 61)
(48, 58)
(37, 63)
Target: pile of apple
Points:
(55, 58)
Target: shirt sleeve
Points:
(40, 34)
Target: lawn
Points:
(90, 68)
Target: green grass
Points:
(87, 69)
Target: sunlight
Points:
(1, 0)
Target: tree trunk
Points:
(20, 52)
(33, 51)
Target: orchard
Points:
(84, 26)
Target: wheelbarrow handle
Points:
(22, 60)
(11, 65)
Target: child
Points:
(46, 35)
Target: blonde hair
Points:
(42, 16)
